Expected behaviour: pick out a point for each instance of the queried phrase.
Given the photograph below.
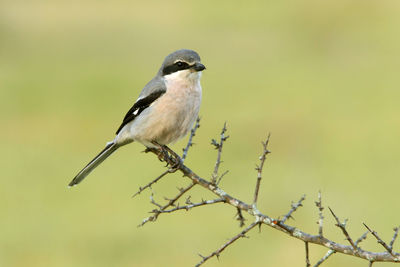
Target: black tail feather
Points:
(105, 153)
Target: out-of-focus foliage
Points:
(321, 76)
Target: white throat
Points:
(188, 77)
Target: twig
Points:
(218, 146)
(321, 217)
(380, 241)
(342, 226)
(396, 232)
(141, 189)
(240, 217)
(307, 255)
(293, 209)
(190, 143)
(190, 206)
(171, 202)
(152, 201)
(324, 258)
(362, 238)
(260, 168)
(222, 176)
(218, 251)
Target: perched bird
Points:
(165, 111)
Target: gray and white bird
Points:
(165, 111)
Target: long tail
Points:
(105, 153)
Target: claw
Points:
(164, 153)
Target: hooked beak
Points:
(198, 67)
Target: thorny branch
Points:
(260, 168)
(380, 241)
(170, 203)
(192, 205)
(190, 142)
(362, 238)
(324, 258)
(396, 232)
(307, 255)
(321, 217)
(224, 246)
(141, 189)
(218, 146)
(293, 209)
(342, 226)
(251, 209)
(331, 251)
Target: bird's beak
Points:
(198, 67)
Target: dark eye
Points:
(179, 64)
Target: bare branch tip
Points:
(362, 238)
(380, 241)
(307, 254)
(294, 207)
(396, 232)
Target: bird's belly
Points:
(167, 120)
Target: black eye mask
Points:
(177, 66)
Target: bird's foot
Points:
(175, 160)
(166, 154)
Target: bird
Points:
(164, 112)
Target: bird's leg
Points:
(161, 152)
(177, 161)
(164, 153)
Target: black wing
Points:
(139, 106)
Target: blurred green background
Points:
(321, 76)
